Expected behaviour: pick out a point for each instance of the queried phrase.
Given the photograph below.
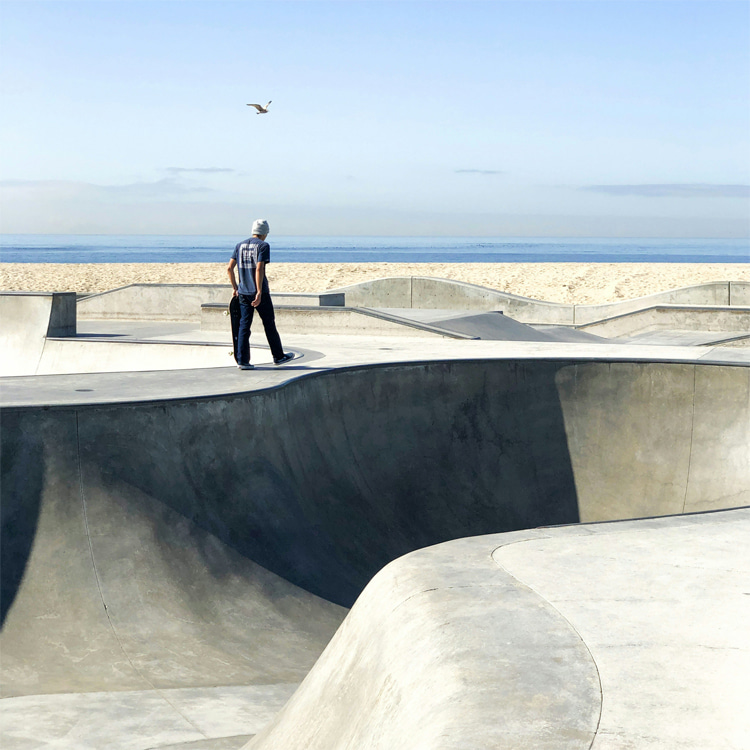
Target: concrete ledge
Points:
(430, 293)
(174, 302)
(294, 299)
(711, 293)
(333, 320)
(722, 319)
(182, 301)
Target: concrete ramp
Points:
(556, 639)
(490, 326)
(431, 293)
(26, 320)
(108, 593)
(383, 460)
(187, 544)
(715, 318)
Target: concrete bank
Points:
(159, 546)
(613, 635)
(366, 464)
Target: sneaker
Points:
(248, 366)
(288, 357)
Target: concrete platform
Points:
(180, 546)
(619, 635)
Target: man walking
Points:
(250, 258)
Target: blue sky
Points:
(530, 118)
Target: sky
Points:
(591, 118)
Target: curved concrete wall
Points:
(327, 479)
(430, 293)
(105, 588)
(605, 635)
(145, 545)
(446, 650)
(183, 301)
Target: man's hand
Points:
(256, 301)
(230, 273)
(235, 293)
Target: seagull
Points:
(261, 110)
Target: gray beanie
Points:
(260, 226)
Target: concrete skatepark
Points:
(459, 519)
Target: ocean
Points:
(27, 248)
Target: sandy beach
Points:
(578, 283)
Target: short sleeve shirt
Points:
(247, 255)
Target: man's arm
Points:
(230, 273)
(260, 275)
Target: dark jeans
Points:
(265, 310)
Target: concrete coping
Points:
(4, 293)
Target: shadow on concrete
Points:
(328, 479)
(22, 480)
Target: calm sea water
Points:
(26, 248)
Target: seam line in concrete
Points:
(82, 493)
(563, 617)
(690, 447)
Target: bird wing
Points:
(257, 106)
(267, 105)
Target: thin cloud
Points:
(479, 171)
(160, 189)
(199, 170)
(675, 190)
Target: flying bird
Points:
(261, 110)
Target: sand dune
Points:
(579, 283)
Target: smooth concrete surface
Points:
(26, 320)
(725, 323)
(334, 320)
(171, 302)
(611, 636)
(126, 346)
(152, 302)
(423, 292)
(374, 458)
(687, 338)
(177, 545)
(145, 553)
(671, 644)
(61, 356)
(214, 718)
(317, 354)
(107, 589)
(739, 293)
(183, 301)
(674, 317)
(721, 293)
(490, 326)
